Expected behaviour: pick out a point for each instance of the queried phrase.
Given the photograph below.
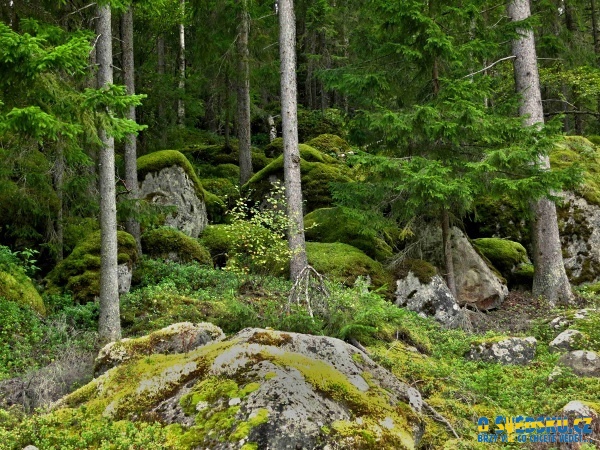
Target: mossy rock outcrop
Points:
(79, 273)
(168, 243)
(318, 171)
(509, 257)
(258, 389)
(344, 263)
(338, 225)
(216, 155)
(331, 145)
(217, 240)
(18, 288)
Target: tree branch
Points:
(490, 66)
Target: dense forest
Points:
(310, 224)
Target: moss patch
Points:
(421, 269)
(18, 288)
(339, 225)
(345, 263)
(579, 150)
(168, 243)
(505, 255)
(318, 172)
(79, 273)
(217, 239)
(330, 144)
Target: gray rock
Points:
(30, 447)
(584, 363)
(476, 283)
(177, 338)
(431, 299)
(517, 351)
(580, 239)
(287, 390)
(124, 274)
(566, 341)
(172, 187)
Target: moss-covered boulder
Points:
(331, 145)
(168, 243)
(168, 179)
(344, 263)
(79, 273)
(509, 257)
(216, 155)
(339, 225)
(176, 338)
(217, 240)
(258, 389)
(18, 288)
(274, 148)
(318, 172)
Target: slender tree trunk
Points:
(162, 119)
(59, 175)
(180, 102)
(243, 96)
(291, 152)
(595, 28)
(447, 244)
(131, 224)
(550, 279)
(109, 323)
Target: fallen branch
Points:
(439, 418)
(359, 346)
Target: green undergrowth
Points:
(463, 390)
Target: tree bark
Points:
(59, 175)
(131, 224)
(109, 323)
(180, 102)
(447, 244)
(291, 152)
(550, 279)
(243, 96)
(162, 117)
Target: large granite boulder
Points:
(514, 350)
(584, 363)
(261, 389)
(572, 411)
(476, 282)
(168, 179)
(177, 338)
(426, 293)
(579, 227)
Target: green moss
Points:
(155, 162)
(216, 208)
(163, 242)
(217, 239)
(19, 289)
(274, 148)
(330, 144)
(523, 275)
(579, 150)
(79, 273)
(339, 225)
(505, 255)
(345, 263)
(421, 269)
(318, 171)
(243, 429)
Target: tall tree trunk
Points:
(59, 175)
(162, 119)
(243, 96)
(291, 152)
(109, 322)
(180, 102)
(447, 244)
(131, 224)
(550, 279)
